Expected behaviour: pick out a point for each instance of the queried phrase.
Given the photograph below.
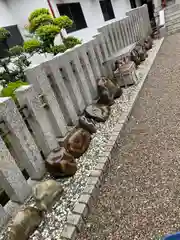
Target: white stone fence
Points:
(58, 93)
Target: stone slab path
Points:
(141, 195)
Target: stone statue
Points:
(108, 90)
(24, 224)
(105, 91)
(119, 91)
(87, 124)
(62, 165)
(98, 112)
(141, 51)
(77, 142)
(135, 57)
(46, 193)
(148, 43)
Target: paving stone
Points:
(104, 154)
(69, 232)
(101, 166)
(92, 190)
(94, 181)
(118, 128)
(104, 160)
(86, 199)
(80, 208)
(96, 173)
(75, 220)
(113, 139)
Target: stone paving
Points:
(141, 195)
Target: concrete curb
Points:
(76, 219)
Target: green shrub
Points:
(38, 12)
(47, 34)
(4, 34)
(16, 50)
(41, 20)
(32, 45)
(63, 22)
(70, 42)
(10, 89)
(44, 27)
(58, 49)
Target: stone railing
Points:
(58, 93)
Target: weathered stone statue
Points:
(98, 112)
(125, 74)
(135, 57)
(119, 91)
(118, 63)
(148, 43)
(108, 90)
(46, 193)
(61, 165)
(141, 51)
(77, 142)
(24, 224)
(87, 124)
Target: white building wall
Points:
(21, 9)
(93, 15)
(120, 7)
(6, 17)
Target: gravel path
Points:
(141, 195)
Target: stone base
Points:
(126, 75)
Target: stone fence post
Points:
(11, 178)
(83, 67)
(38, 77)
(142, 25)
(61, 67)
(20, 138)
(38, 119)
(93, 61)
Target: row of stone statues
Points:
(63, 163)
(125, 68)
